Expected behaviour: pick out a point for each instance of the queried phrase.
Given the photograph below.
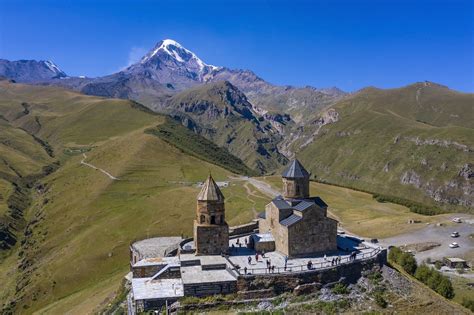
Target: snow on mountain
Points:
(30, 70)
(52, 66)
(179, 54)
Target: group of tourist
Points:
(353, 256)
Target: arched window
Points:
(213, 219)
(203, 218)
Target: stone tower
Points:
(295, 181)
(211, 232)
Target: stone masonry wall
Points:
(211, 239)
(295, 187)
(314, 234)
(280, 283)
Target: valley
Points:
(88, 165)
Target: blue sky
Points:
(349, 44)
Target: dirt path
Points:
(260, 185)
(250, 193)
(97, 168)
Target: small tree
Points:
(423, 273)
(434, 280)
(394, 254)
(438, 264)
(445, 288)
(408, 263)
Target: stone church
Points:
(298, 223)
(211, 232)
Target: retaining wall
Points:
(280, 283)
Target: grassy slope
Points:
(187, 141)
(20, 154)
(78, 251)
(375, 129)
(239, 130)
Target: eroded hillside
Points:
(414, 142)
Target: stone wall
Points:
(314, 234)
(244, 228)
(295, 187)
(211, 239)
(280, 283)
(146, 271)
(206, 289)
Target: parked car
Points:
(454, 245)
(457, 220)
(455, 234)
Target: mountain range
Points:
(159, 127)
(265, 124)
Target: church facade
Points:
(298, 222)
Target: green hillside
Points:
(72, 239)
(222, 114)
(414, 142)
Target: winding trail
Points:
(260, 185)
(97, 168)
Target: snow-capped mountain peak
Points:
(53, 67)
(179, 54)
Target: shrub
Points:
(423, 273)
(434, 280)
(408, 263)
(394, 253)
(445, 288)
(412, 205)
(340, 288)
(379, 300)
(438, 265)
(375, 277)
(431, 277)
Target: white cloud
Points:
(135, 54)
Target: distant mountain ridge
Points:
(29, 71)
(169, 68)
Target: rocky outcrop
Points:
(466, 171)
(442, 143)
(411, 178)
(303, 135)
(457, 191)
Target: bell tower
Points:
(295, 181)
(211, 232)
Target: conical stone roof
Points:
(295, 170)
(210, 191)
